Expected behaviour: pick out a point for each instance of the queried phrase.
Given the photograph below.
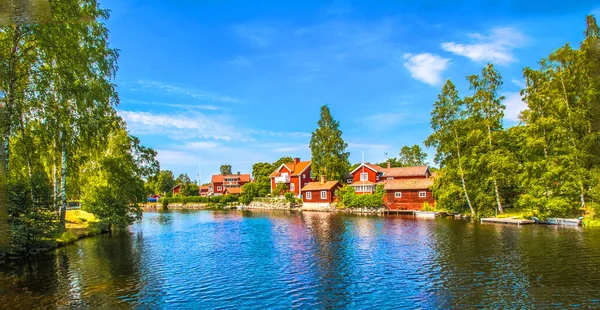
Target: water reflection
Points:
(312, 260)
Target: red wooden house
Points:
(364, 178)
(408, 193)
(295, 175)
(203, 190)
(322, 192)
(176, 189)
(221, 182)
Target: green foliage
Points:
(225, 169)
(349, 199)
(412, 156)
(280, 189)
(199, 199)
(329, 156)
(290, 197)
(67, 237)
(427, 207)
(250, 191)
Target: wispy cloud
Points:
(173, 105)
(188, 92)
(352, 145)
(496, 47)
(514, 105)
(283, 147)
(280, 134)
(240, 61)
(518, 83)
(257, 35)
(180, 126)
(426, 67)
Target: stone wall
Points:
(177, 206)
(318, 206)
(379, 210)
(270, 205)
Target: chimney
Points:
(389, 164)
(322, 179)
(296, 160)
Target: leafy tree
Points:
(183, 179)
(487, 111)
(189, 189)
(112, 185)
(280, 161)
(412, 156)
(450, 130)
(280, 189)
(225, 169)
(329, 156)
(164, 182)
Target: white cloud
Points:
(352, 145)
(180, 126)
(496, 47)
(518, 83)
(514, 105)
(200, 145)
(426, 67)
(260, 36)
(193, 93)
(280, 134)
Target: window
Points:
(398, 195)
(422, 194)
(304, 176)
(364, 176)
(390, 178)
(349, 181)
(292, 186)
(308, 195)
(219, 188)
(285, 174)
(323, 194)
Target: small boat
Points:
(426, 214)
(559, 221)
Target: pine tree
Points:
(329, 156)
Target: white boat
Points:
(426, 214)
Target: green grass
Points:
(589, 222)
(519, 214)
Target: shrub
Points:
(427, 207)
(290, 197)
(349, 199)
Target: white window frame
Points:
(308, 195)
(364, 176)
(397, 194)
(284, 174)
(292, 186)
(219, 188)
(323, 193)
(304, 176)
(422, 194)
(349, 181)
(390, 178)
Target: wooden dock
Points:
(506, 221)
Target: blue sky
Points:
(238, 82)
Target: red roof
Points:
(404, 171)
(219, 178)
(204, 188)
(370, 166)
(408, 184)
(233, 190)
(317, 186)
(295, 169)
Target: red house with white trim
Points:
(319, 194)
(221, 182)
(295, 175)
(408, 193)
(364, 178)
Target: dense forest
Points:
(549, 163)
(61, 136)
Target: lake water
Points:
(258, 260)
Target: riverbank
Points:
(79, 224)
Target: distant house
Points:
(232, 191)
(408, 193)
(221, 182)
(319, 194)
(154, 198)
(295, 175)
(176, 189)
(203, 190)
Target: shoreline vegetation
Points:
(63, 140)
